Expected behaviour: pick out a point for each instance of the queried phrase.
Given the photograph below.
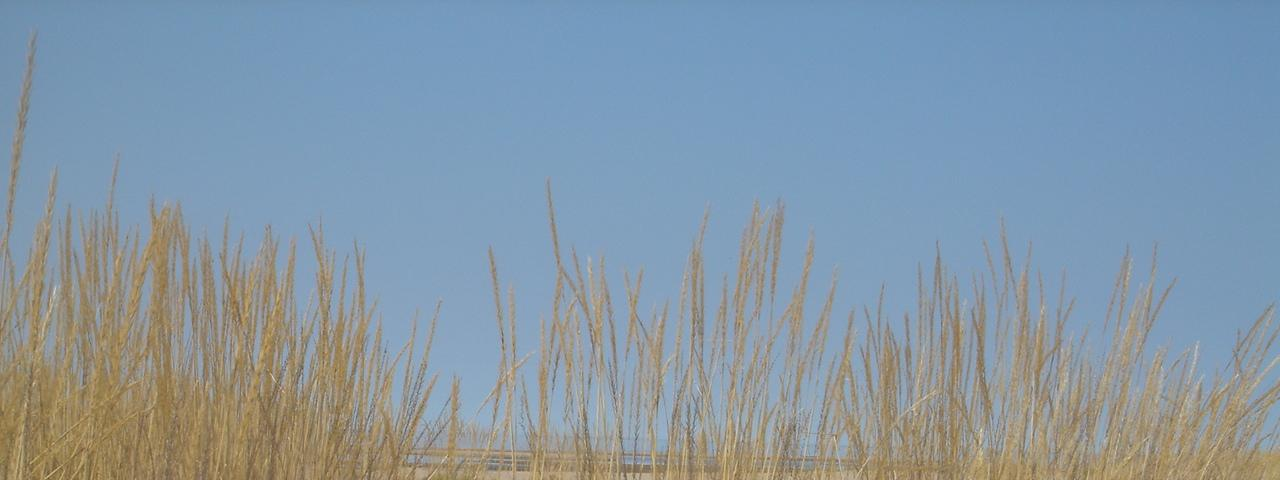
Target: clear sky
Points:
(427, 134)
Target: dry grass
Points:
(151, 353)
(156, 354)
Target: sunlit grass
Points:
(153, 353)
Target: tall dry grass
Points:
(983, 381)
(153, 353)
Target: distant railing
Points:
(629, 462)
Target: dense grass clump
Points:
(153, 353)
(156, 354)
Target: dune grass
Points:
(149, 352)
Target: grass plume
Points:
(150, 352)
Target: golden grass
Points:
(156, 354)
(152, 353)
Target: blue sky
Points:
(427, 134)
